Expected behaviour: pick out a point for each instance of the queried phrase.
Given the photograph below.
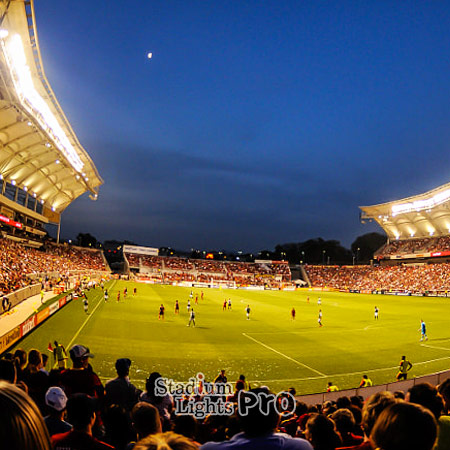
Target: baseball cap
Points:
(123, 364)
(56, 398)
(80, 351)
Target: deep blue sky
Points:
(255, 122)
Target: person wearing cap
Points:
(56, 401)
(80, 378)
(120, 390)
(81, 411)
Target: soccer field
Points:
(270, 348)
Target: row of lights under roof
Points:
(48, 145)
(412, 234)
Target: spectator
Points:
(258, 428)
(166, 441)
(404, 426)
(81, 411)
(81, 379)
(345, 425)
(56, 401)
(426, 395)
(321, 433)
(36, 380)
(163, 403)
(21, 424)
(145, 420)
(372, 408)
(120, 391)
(8, 371)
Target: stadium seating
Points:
(20, 264)
(432, 278)
(174, 269)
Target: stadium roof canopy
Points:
(39, 151)
(423, 215)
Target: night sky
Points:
(255, 122)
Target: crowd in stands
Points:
(174, 269)
(70, 409)
(413, 246)
(423, 278)
(19, 263)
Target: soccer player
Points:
(191, 295)
(105, 295)
(177, 307)
(135, 291)
(319, 301)
(403, 368)
(247, 311)
(201, 295)
(365, 381)
(118, 296)
(307, 299)
(196, 299)
(161, 312)
(319, 320)
(229, 303)
(423, 331)
(224, 306)
(332, 387)
(293, 313)
(376, 313)
(125, 292)
(86, 305)
(188, 305)
(191, 318)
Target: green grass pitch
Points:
(270, 348)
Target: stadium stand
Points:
(22, 266)
(177, 270)
(421, 279)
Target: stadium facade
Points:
(43, 167)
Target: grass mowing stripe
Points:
(88, 318)
(284, 356)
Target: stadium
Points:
(328, 337)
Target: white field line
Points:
(436, 347)
(88, 317)
(283, 355)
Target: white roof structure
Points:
(420, 216)
(39, 151)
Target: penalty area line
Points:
(284, 356)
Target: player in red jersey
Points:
(224, 307)
(161, 312)
(118, 295)
(293, 313)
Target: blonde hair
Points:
(165, 441)
(21, 424)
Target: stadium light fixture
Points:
(420, 205)
(30, 99)
(13, 182)
(25, 188)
